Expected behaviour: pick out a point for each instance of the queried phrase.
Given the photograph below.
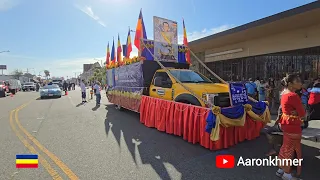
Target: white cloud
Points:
(7, 4)
(88, 11)
(115, 1)
(205, 32)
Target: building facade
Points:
(288, 42)
(88, 71)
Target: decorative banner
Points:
(148, 49)
(129, 77)
(238, 94)
(166, 52)
(166, 39)
(110, 77)
(182, 54)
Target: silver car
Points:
(50, 91)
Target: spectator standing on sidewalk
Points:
(314, 101)
(291, 126)
(257, 82)
(262, 91)
(97, 88)
(251, 89)
(270, 93)
(83, 91)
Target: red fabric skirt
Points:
(189, 122)
(291, 146)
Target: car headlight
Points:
(209, 97)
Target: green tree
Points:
(99, 75)
(17, 73)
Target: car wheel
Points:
(59, 96)
(41, 97)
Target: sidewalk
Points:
(312, 133)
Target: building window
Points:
(305, 62)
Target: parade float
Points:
(174, 99)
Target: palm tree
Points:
(47, 73)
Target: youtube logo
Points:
(225, 161)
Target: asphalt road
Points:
(81, 141)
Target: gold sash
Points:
(165, 38)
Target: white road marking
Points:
(71, 101)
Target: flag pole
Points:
(141, 38)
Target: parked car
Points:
(29, 86)
(14, 85)
(3, 89)
(50, 91)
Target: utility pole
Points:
(31, 69)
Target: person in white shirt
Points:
(97, 88)
(83, 91)
(257, 82)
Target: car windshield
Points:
(187, 76)
(54, 86)
(28, 84)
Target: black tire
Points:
(2, 94)
(188, 99)
(13, 91)
(41, 97)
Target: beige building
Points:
(269, 47)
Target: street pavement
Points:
(76, 141)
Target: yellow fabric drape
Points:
(227, 122)
(265, 117)
(125, 94)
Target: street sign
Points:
(3, 66)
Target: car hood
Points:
(50, 90)
(213, 88)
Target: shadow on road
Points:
(163, 151)
(39, 98)
(96, 108)
(80, 104)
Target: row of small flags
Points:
(27, 161)
(140, 34)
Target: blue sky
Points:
(61, 35)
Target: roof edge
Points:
(260, 22)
